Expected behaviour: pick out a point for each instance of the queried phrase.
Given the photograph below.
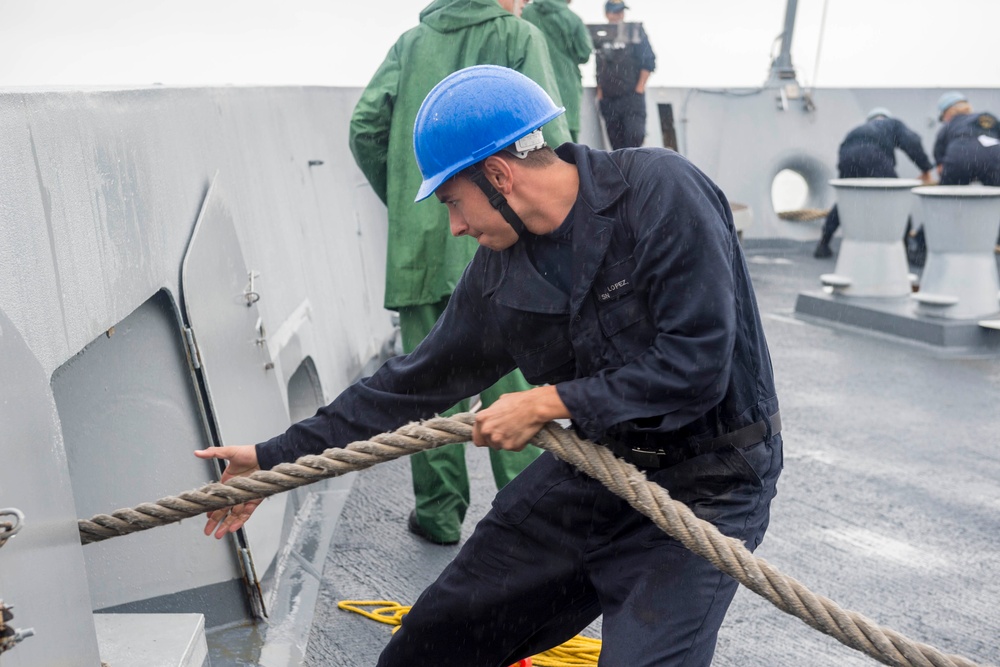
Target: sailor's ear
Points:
(499, 173)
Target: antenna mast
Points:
(782, 70)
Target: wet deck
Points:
(889, 503)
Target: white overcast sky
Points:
(895, 43)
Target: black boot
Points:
(830, 225)
(823, 250)
(916, 248)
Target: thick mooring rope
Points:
(624, 479)
(409, 439)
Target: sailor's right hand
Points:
(241, 462)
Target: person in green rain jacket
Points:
(569, 45)
(424, 262)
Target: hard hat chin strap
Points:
(497, 200)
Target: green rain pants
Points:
(440, 477)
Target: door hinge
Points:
(253, 584)
(194, 356)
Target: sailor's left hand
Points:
(241, 462)
(510, 423)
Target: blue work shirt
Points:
(874, 143)
(658, 341)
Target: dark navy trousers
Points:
(558, 549)
(982, 165)
(625, 120)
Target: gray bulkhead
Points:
(99, 195)
(742, 138)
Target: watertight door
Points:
(220, 295)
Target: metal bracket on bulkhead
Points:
(10, 525)
(11, 520)
(10, 637)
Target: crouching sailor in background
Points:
(615, 280)
(869, 151)
(967, 147)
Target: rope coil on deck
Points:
(804, 214)
(673, 517)
(578, 651)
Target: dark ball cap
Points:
(614, 7)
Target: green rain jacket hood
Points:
(569, 45)
(449, 15)
(423, 261)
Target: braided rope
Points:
(335, 462)
(732, 557)
(673, 517)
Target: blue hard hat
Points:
(471, 115)
(878, 111)
(949, 100)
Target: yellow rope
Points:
(385, 611)
(579, 651)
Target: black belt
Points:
(662, 458)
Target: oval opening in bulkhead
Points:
(789, 191)
(799, 189)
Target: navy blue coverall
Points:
(869, 151)
(618, 68)
(657, 344)
(961, 153)
(963, 156)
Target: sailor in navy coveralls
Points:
(616, 280)
(967, 147)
